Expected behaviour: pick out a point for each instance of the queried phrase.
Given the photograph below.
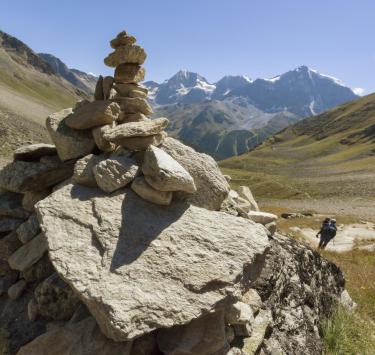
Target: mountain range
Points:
(235, 114)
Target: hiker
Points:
(327, 232)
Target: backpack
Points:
(332, 231)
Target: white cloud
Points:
(359, 91)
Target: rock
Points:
(236, 351)
(245, 193)
(239, 313)
(39, 271)
(113, 173)
(125, 89)
(11, 205)
(229, 333)
(70, 143)
(107, 86)
(243, 330)
(272, 227)
(129, 73)
(262, 217)
(135, 105)
(21, 176)
(252, 298)
(141, 143)
(83, 337)
(300, 288)
(29, 253)
(346, 302)
(16, 290)
(30, 198)
(133, 117)
(55, 299)
(81, 103)
(260, 324)
(139, 266)
(28, 230)
(84, 170)
(98, 94)
(243, 206)
(202, 336)
(131, 53)
(94, 114)
(145, 345)
(164, 173)
(137, 93)
(148, 193)
(34, 152)
(101, 143)
(212, 188)
(8, 245)
(135, 129)
(122, 39)
(228, 178)
(9, 224)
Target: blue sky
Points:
(213, 37)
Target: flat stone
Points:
(8, 245)
(30, 198)
(28, 230)
(262, 217)
(133, 117)
(29, 253)
(212, 187)
(137, 93)
(21, 176)
(16, 290)
(131, 53)
(134, 105)
(141, 143)
(129, 73)
(239, 313)
(125, 89)
(107, 86)
(102, 144)
(8, 224)
(122, 39)
(11, 205)
(39, 271)
(245, 193)
(164, 173)
(135, 129)
(84, 170)
(70, 143)
(148, 193)
(94, 114)
(83, 337)
(34, 152)
(98, 94)
(138, 266)
(114, 173)
(202, 336)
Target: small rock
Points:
(39, 271)
(29, 253)
(16, 290)
(11, 205)
(113, 173)
(347, 302)
(129, 73)
(94, 114)
(9, 224)
(245, 193)
(272, 227)
(28, 230)
(252, 298)
(228, 178)
(130, 53)
(102, 144)
(107, 86)
(98, 94)
(31, 198)
(70, 143)
(8, 245)
(134, 105)
(124, 90)
(135, 129)
(148, 193)
(262, 217)
(34, 152)
(141, 143)
(239, 313)
(243, 330)
(133, 117)
(164, 173)
(84, 170)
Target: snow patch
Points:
(359, 91)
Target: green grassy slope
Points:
(329, 155)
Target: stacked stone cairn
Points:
(120, 240)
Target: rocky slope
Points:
(120, 240)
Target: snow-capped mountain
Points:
(302, 91)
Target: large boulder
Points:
(139, 266)
(212, 187)
(70, 143)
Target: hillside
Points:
(29, 91)
(328, 156)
